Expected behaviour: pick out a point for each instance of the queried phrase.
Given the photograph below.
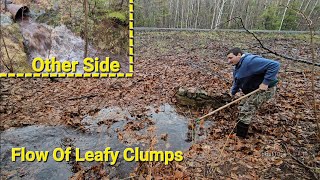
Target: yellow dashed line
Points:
(86, 75)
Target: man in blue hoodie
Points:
(250, 73)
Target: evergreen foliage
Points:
(270, 20)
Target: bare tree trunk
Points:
(154, 18)
(234, 3)
(278, 4)
(86, 28)
(301, 5)
(188, 3)
(313, 55)
(313, 8)
(120, 5)
(300, 9)
(164, 17)
(181, 13)
(265, 5)
(70, 10)
(170, 12)
(214, 14)
(5, 5)
(247, 14)
(175, 18)
(196, 23)
(284, 14)
(305, 8)
(220, 14)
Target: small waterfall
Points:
(46, 42)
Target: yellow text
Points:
(130, 154)
(28, 156)
(94, 65)
(53, 66)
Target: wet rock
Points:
(6, 19)
(56, 6)
(198, 98)
(6, 1)
(59, 42)
(105, 118)
(36, 13)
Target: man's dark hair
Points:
(235, 51)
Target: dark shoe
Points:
(242, 129)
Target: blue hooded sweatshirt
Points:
(251, 71)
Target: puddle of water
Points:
(114, 116)
(34, 138)
(167, 121)
(42, 138)
(102, 132)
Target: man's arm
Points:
(235, 88)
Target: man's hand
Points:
(233, 97)
(263, 86)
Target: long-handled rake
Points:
(223, 107)
(237, 100)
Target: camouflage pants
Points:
(249, 105)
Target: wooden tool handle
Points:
(209, 114)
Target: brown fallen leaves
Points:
(159, 73)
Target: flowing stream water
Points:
(44, 41)
(97, 137)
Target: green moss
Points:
(118, 15)
(14, 45)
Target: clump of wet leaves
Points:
(94, 172)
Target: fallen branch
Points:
(262, 45)
(82, 97)
(308, 168)
(271, 51)
(10, 59)
(4, 63)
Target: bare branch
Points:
(313, 54)
(269, 50)
(10, 68)
(310, 169)
(86, 28)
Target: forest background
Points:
(209, 14)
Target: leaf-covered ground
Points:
(282, 140)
